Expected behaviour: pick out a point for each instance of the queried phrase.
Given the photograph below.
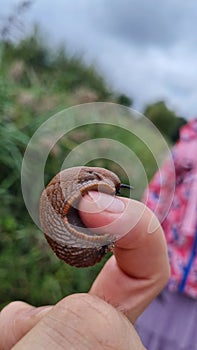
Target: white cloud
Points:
(145, 49)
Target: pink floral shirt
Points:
(180, 223)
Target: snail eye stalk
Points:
(126, 186)
(129, 187)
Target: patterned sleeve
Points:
(159, 194)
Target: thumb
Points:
(139, 269)
(81, 322)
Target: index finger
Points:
(139, 268)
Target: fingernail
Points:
(106, 202)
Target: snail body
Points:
(64, 230)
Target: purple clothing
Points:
(169, 323)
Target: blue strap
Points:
(187, 268)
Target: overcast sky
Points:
(146, 49)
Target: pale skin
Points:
(104, 317)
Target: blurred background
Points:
(53, 56)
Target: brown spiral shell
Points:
(69, 238)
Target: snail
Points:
(63, 228)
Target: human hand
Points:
(128, 282)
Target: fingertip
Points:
(8, 326)
(14, 308)
(17, 319)
(98, 210)
(106, 214)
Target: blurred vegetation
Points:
(36, 82)
(165, 119)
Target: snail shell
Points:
(69, 238)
